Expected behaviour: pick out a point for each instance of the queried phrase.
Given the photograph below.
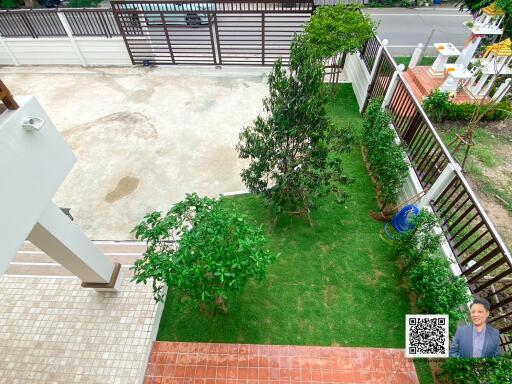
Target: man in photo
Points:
(478, 339)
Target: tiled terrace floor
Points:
(422, 84)
(205, 363)
(52, 331)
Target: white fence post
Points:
(9, 52)
(392, 86)
(416, 56)
(67, 28)
(502, 91)
(439, 186)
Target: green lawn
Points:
(427, 60)
(487, 165)
(336, 283)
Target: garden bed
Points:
(335, 283)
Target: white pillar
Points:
(439, 63)
(392, 86)
(67, 28)
(62, 240)
(468, 52)
(9, 52)
(449, 85)
(416, 55)
(502, 90)
(439, 186)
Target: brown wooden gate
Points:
(211, 32)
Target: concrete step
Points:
(412, 84)
(40, 257)
(46, 270)
(31, 261)
(104, 246)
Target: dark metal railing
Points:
(91, 22)
(235, 32)
(369, 53)
(381, 80)
(426, 154)
(34, 23)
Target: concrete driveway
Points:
(143, 137)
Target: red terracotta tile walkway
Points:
(208, 363)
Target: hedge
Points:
(387, 159)
(496, 370)
(439, 107)
(429, 274)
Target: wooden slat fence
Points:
(482, 256)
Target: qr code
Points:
(426, 335)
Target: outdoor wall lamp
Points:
(32, 123)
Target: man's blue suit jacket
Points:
(462, 344)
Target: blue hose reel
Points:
(402, 221)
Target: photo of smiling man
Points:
(478, 339)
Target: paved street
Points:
(405, 28)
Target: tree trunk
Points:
(219, 302)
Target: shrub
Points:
(501, 111)
(429, 274)
(419, 241)
(202, 250)
(8, 4)
(438, 291)
(407, 3)
(496, 370)
(83, 3)
(438, 106)
(386, 158)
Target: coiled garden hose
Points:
(402, 221)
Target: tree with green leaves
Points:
(335, 31)
(295, 150)
(83, 3)
(202, 251)
(8, 4)
(338, 29)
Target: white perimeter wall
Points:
(358, 75)
(60, 51)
